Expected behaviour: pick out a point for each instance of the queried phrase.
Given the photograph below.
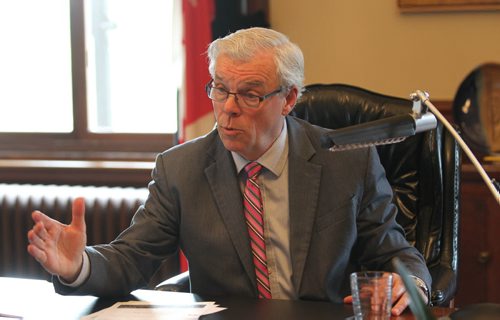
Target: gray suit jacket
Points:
(341, 220)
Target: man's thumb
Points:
(78, 214)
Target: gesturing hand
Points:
(59, 247)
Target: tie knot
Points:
(253, 169)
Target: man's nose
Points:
(231, 105)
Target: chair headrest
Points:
(340, 105)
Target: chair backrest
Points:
(423, 170)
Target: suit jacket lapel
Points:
(223, 181)
(304, 182)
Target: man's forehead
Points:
(246, 82)
(256, 73)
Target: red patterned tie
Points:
(252, 203)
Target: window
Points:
(131, 78)
(36, 66)
(88, 79)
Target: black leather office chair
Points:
(423, 170)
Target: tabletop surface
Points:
(36, 299)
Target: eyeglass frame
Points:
(209, 86)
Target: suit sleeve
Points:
(380, 237)
(128, 262)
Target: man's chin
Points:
(233, 145)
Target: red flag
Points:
(196, 113)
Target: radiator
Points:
(108, 212)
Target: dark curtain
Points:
(229, 16)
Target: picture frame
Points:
(448, 5)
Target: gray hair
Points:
(244, 44)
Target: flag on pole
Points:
(195, 111)
(196, 114)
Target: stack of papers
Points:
(139, 310)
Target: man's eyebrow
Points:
(254, 83)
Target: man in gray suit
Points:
(324, 214)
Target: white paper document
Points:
(142, 310)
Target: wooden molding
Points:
(448, 5)
(73, 172)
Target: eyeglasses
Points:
(244, 99)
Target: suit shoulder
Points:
(192, 147)
(309, 127)
(314, 134)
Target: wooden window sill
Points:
(76, 172)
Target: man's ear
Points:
(291, 99)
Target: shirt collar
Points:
(273, 159)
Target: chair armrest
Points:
(444, 285)
(178, 283)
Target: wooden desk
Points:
(36, 299)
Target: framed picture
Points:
(448, 5)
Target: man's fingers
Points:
(401, 305)
(400, 299)
(348, 299)
(35, 239)
(397, 292)
(36, 253)
(78, 214)
(38, 216)
(40, 231)
(38, 235)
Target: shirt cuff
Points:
(84, 273)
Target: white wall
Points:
(373, 45)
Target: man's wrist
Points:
(423, 287)
(82, 275)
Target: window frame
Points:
(80, 143)
(82, 157)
